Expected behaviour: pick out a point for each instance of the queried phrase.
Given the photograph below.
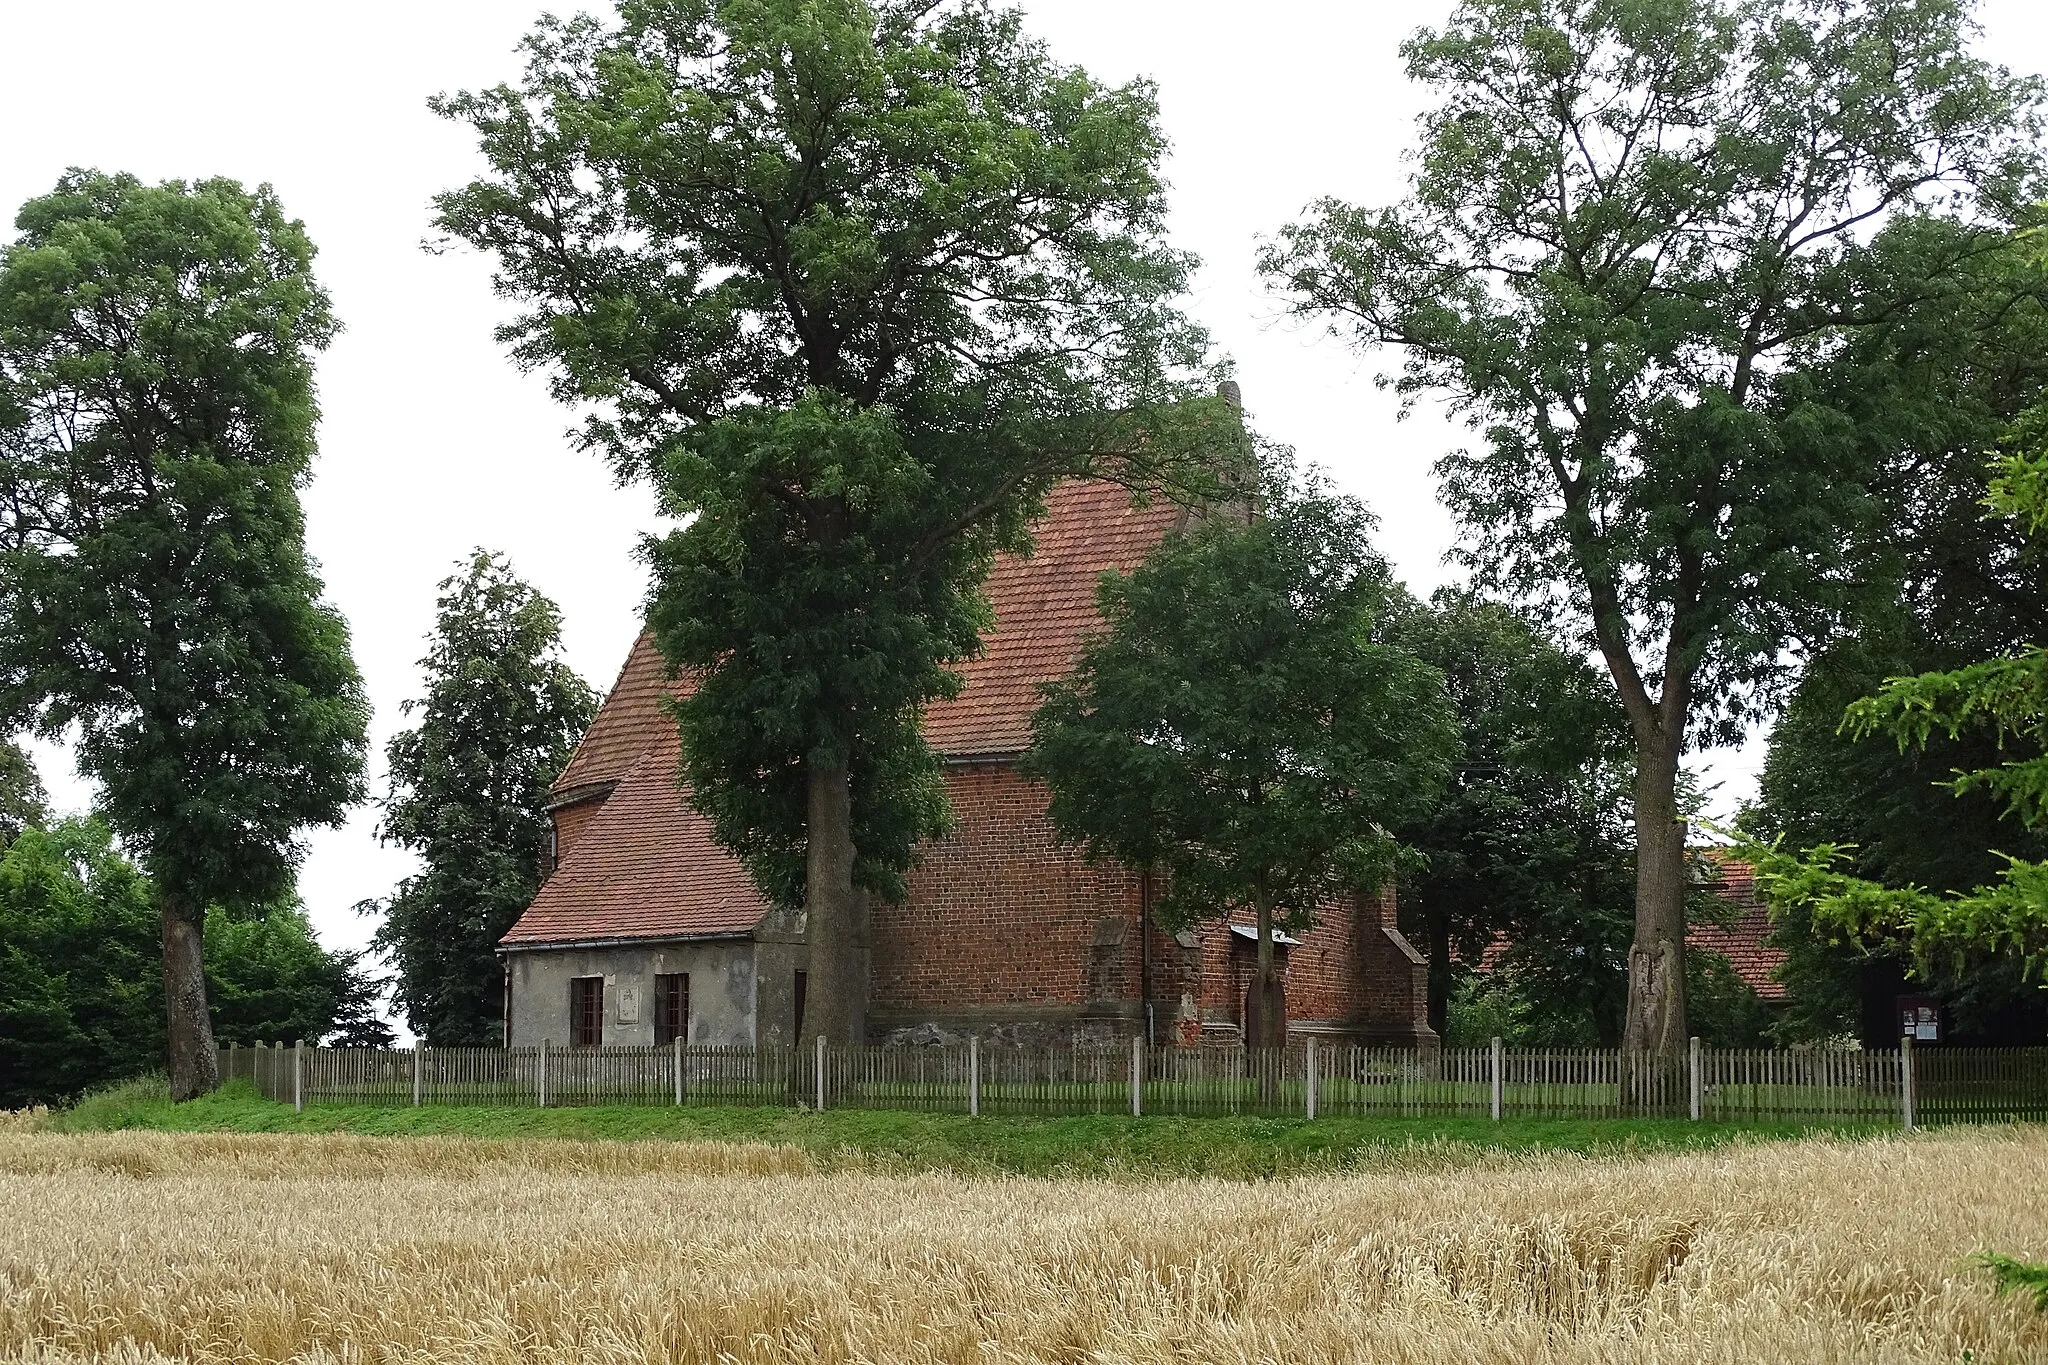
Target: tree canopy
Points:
(156, 421)
(1529, 842)
(852, 284)
(2006, 697)
(1636, 230)
(1245, 727)
(469, 784)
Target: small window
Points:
(586, 1011)
(671, 1007)
(803, 980)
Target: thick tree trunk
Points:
(1655, 1020)
(1265, 1001)
(195, 1064)
(835, 912)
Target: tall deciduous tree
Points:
(1244, 729)
(853, 284)
(469, 784)
(1635, 227)
(156, 421)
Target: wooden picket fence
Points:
(1934, 1085)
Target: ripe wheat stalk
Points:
(136, 1247)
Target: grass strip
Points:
(1105, 1145)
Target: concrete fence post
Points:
(1137, 1074)
(231, 1060)
(1693, 1077)
(1313, 1078)
(1496, 1079)
(299, 1076)
(974, 1077)
(1905, 1082)
(540, 1073)
(417, 1071)
(679, 1067)
(818, 1071)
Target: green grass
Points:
(1235, 1148)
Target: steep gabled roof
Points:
(646, 867)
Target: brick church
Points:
(647, 930)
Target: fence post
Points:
(1906, 1096)
(299, 1076)
(1693, 1076)
(541, 1073)
(416, 1073)
(231, 1060)
(818, 1072)
(1496, 1079)
(1311, 1077)
(974, 1077)
(1137, 1074)
(678, 1040)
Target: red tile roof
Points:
(626, 724)
(1044, 608)
(1742, 941)
(646, 866)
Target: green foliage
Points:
(156, 419)
(846, 282)
(1530, 840)
(502, 713)
(2007, 917)
(1722, 1008)
(81, 983)
(81, 991)
(23, 804)
(1634, 228)
(2018, 1277)
(268, 979)
(1245, 726)
(1517, 1007)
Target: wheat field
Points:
(137, 1247)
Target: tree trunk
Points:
(835, 912)
(1656, 960)
(195, 1064)
(1265, 1001)
(1437, 928)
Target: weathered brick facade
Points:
(1004, 933)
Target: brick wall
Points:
(998, 916)
(1004, 930)
(571, 821)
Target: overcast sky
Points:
(432, 443)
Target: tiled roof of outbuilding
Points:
(646, 866)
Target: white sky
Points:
(432, 443)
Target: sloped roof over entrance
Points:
(646, 866)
